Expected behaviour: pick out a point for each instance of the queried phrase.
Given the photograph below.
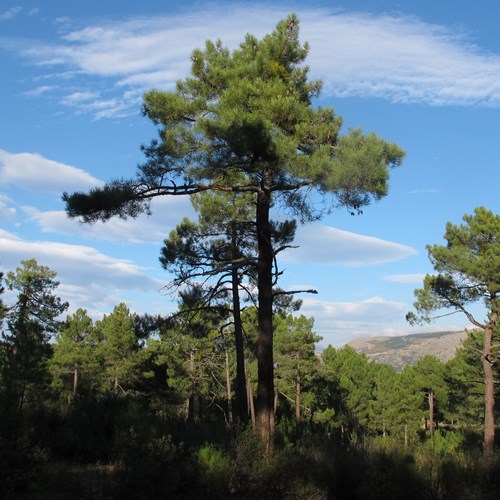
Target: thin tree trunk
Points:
(190, 399)
(297, 398)
(431, 411)
(251, 406)
(228, 387)
(489, 389)
(75, 380)
(241, 399)
(265, 388)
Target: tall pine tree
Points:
(31, 322)
(244, 122)
(468, 271)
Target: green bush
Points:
(215, 469)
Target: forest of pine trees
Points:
(146, 406)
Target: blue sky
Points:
(423, 74)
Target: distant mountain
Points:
(408, 349)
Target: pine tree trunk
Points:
(228, 388)
(265, 388)
(241, 399)
(489, 389)
(251, 407)
(75, 380)
(190, 399)
(297, 398)
(431, 411)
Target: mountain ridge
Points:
(408, 349)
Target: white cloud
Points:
(10, 13)
(402, 59)
(38, 91)
(425, 191)
(374, 309)
(340, 322)
(88, 277)
(33, 172)
(7, 213)
(93, 103)
(398, 58)
(79, 97)
(405, 278)
(167, 212)
(327, 245)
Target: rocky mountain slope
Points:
(408, 349)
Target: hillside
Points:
(408, 349)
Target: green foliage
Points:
(351, 373)
(75, 362)
(215, 468)
(468, 268)
(464, 381)
(385, 403)
(296, 360)
(118, 349)
(428, 375)
(36, 306)
(31, 321)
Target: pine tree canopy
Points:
(245, 120)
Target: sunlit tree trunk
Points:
(251, 407)
(430, 398)
(489, 389)
(297, 398)
(75, 380)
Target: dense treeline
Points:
(143, 407)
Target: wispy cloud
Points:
(167, 212)
(88, 277)
(38, 91)
(425, 191)
(10, 13)
(7, 213)
(405, 278)
(376, 309)
(93, 103)
(33, 172)
(402, 59)
(327, 245)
